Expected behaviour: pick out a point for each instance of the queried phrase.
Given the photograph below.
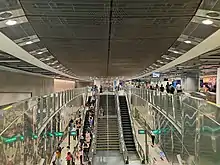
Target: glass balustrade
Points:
(31, 130)
(193, 124)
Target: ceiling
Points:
(100, 37)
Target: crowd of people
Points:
(83, 137)
(169, 88)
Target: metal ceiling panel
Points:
(94, 37)
(6, 5)
(18, 31)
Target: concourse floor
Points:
(111, 158)
(65, 150)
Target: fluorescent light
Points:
(188, 42)
(8, 61)
(27, 67)
(29, 42)
(40, 53)
(160, 61)
(10, 22)
(207, 22)
(176, 52)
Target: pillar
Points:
(190, 81)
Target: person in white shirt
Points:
(178, 88)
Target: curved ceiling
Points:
(108, 38)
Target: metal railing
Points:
(123, 147)
(139, 148)
(27, 128)
(194, 124)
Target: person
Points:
(93, 100)
(178, 88)
(71, 124)
(172, 89)
(161, 88)
(101, 111)
(168, 87)
(59, 148)
(152, 138)
(58, 158)
(91, 121)
(81, 139)
(81, 156)
(86, 151)
(74, 130)
(101, 89)
(69, 158)
(68, 148)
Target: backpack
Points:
(69, 157)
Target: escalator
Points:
(127, 129)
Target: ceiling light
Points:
(187, 42)
(8, 61)
(207, 22)
(40, 53)
(10, 22)
(29, 42)
(176, 52)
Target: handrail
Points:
(24, 111)
(139, 148)
(23, 101)
(123, 147)
(92, 151)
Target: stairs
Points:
(107, 134)
(126, 125)
(107, 131)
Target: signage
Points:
(73, 133)
(141, 131)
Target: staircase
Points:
(126, 125)
(107, 131)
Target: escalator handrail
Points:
(139, 148)
(92, 151)
(121, 135)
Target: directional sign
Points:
(73, 133)
(58, 134)
(20, 137)
(141, 131)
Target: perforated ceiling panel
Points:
(108, 38)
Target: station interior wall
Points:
(15, 87)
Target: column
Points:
(190, 81)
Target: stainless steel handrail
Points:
(139, 148)
(123, 147)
